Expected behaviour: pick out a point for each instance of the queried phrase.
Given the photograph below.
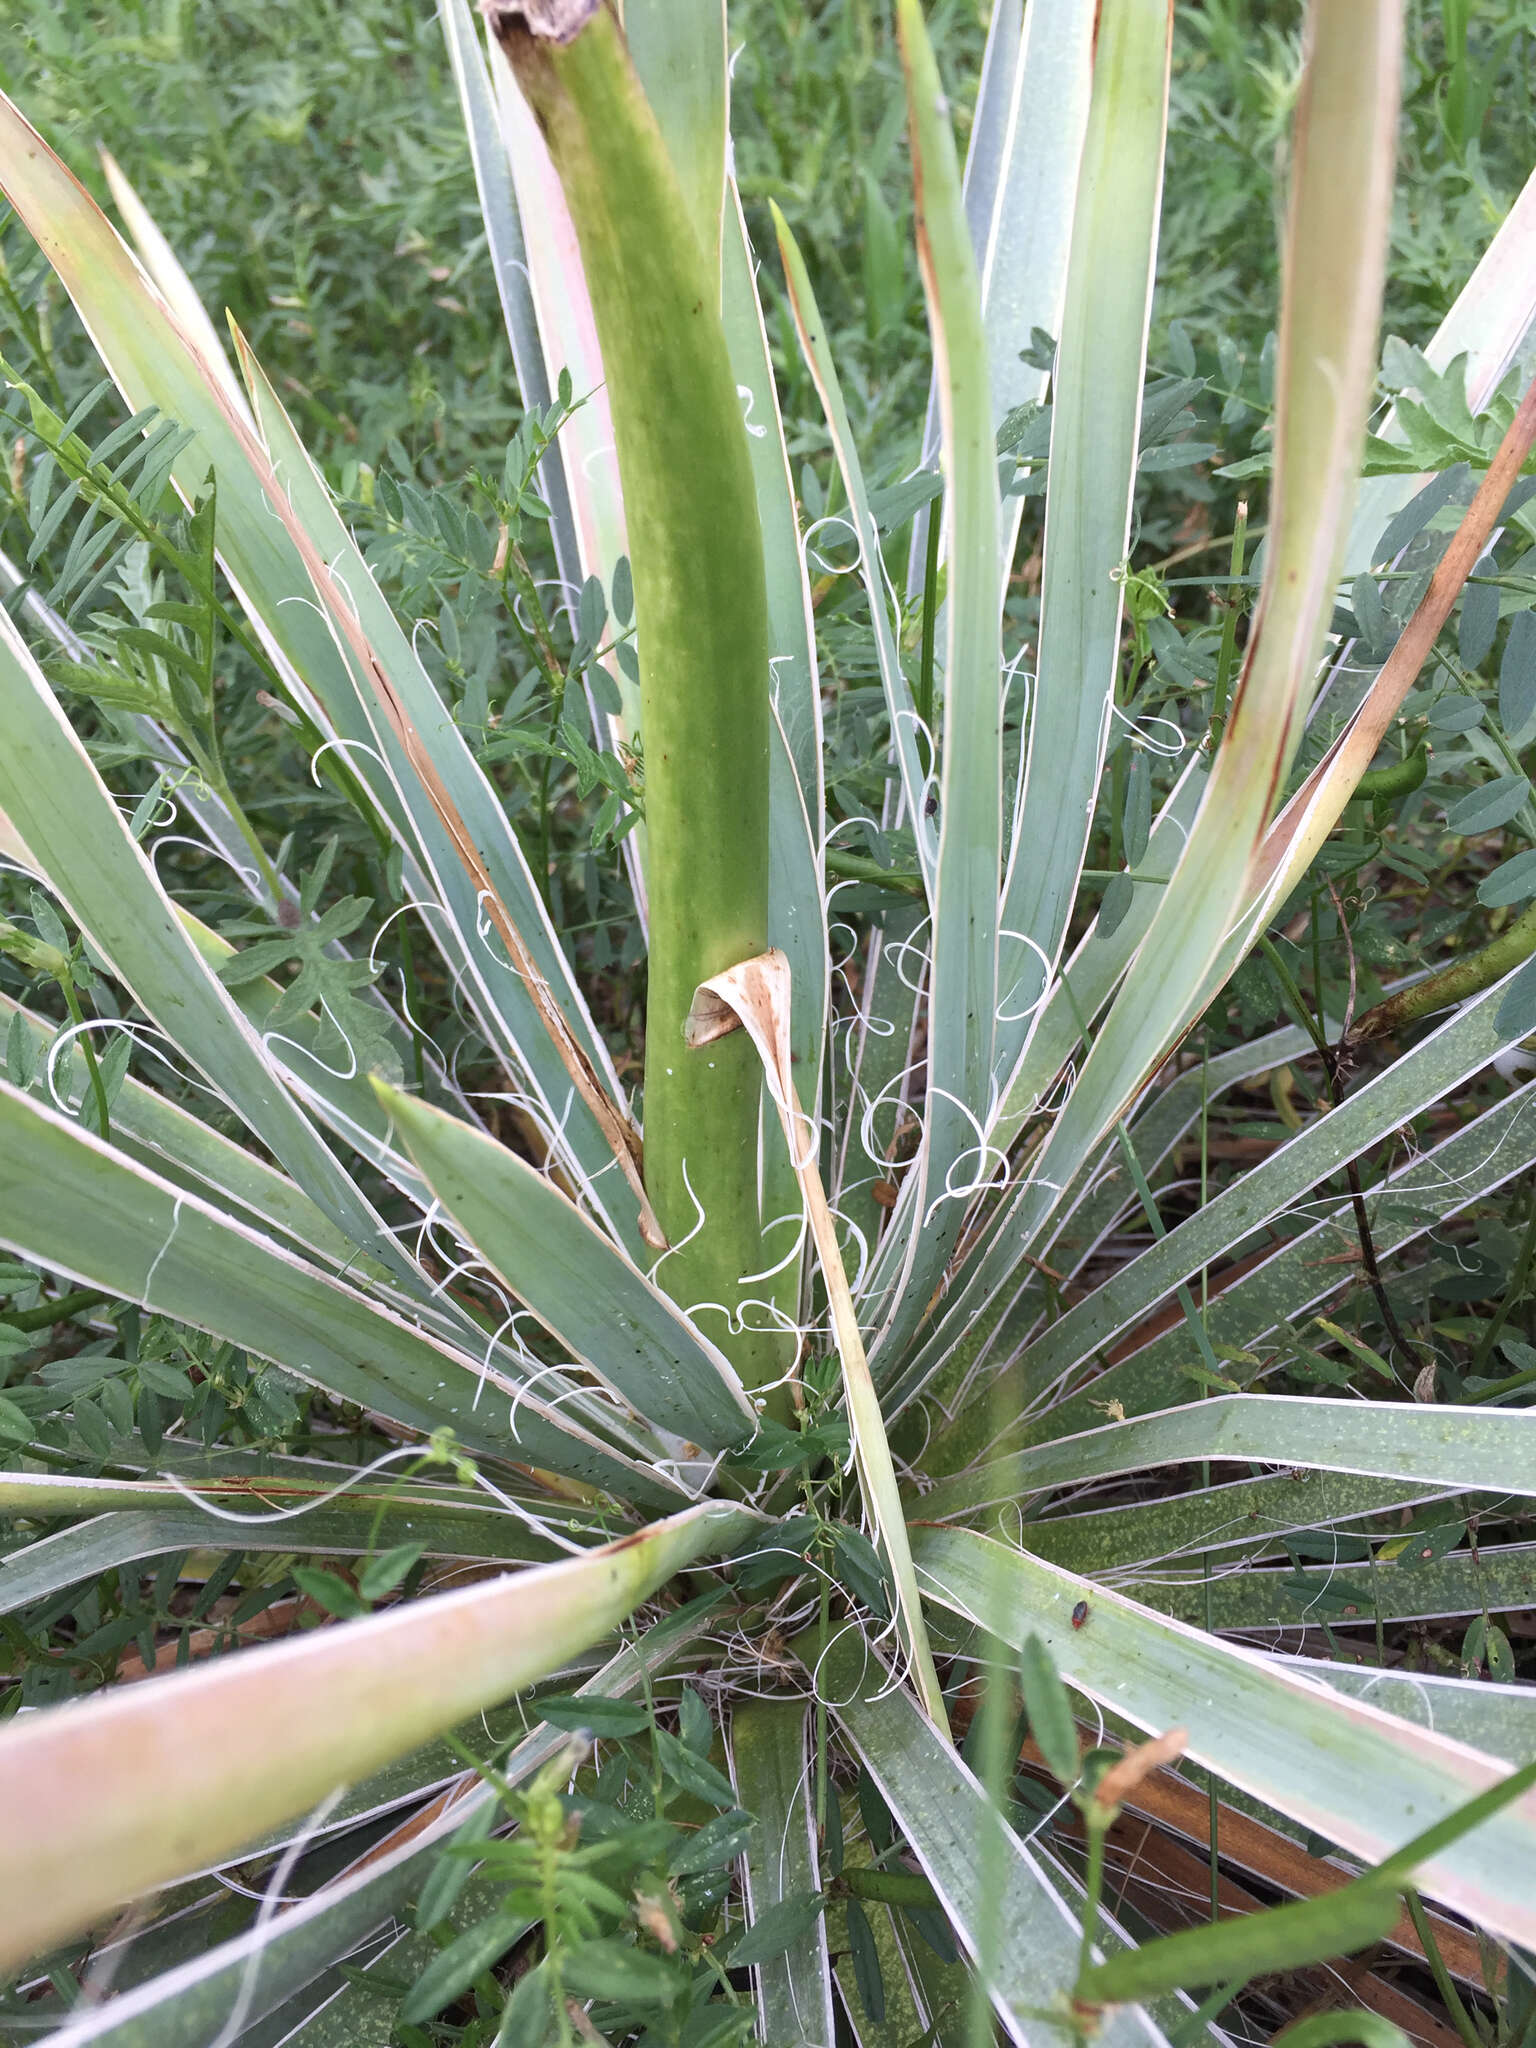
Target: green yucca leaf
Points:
(1155, 1673)
(773, 1781)
(184, 1793)
(576, 1283)
(72, 1203)
(958, 1835)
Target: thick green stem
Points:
(1453, 984)
(695, 546)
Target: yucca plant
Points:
(777, 1418)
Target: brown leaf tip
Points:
(546, 21)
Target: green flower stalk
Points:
(696, 550)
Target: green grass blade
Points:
(70, 1203)
(1365, 1779)
(774, 1782)
(578, 1285)
(1244, 1947)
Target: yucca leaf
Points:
(1460, 1170)
(754, 998)
(173, 284)
(679, 48)
(1245, 1515)
(107, 1542)
(797, 911)
(1491, 317)
(957, 1835)
(1095, 424)
(1335, 252)
(118, 1795)
(954, 1361)
(169, 1140)
(1500, 1720)
(1437, 1447)
(577, 1284)
(916, 772)
(1369, 1781)
(963, 979)
(256, 1972)
(1021, 185)
(78, 842)
(477, 868)
(774, 1784)
(1497, 1577)
(275, 568)
(567, 335)
(1445, 1058)
(510, 266)
(69, 1202)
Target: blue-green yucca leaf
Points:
(958, 1835)
(73, 1204)
(577, 1284)
(775, 1782)
(1464, 1045)
(381, 711)
(797, 908)
(1095, 424)
(509, 262)
(1441, 1448)
(963, 984)
(1485, 1155)
(77, 841)
(1339, 211)
(1300, 1748)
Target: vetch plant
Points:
(763, 1410)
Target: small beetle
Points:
(1080, 1614)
